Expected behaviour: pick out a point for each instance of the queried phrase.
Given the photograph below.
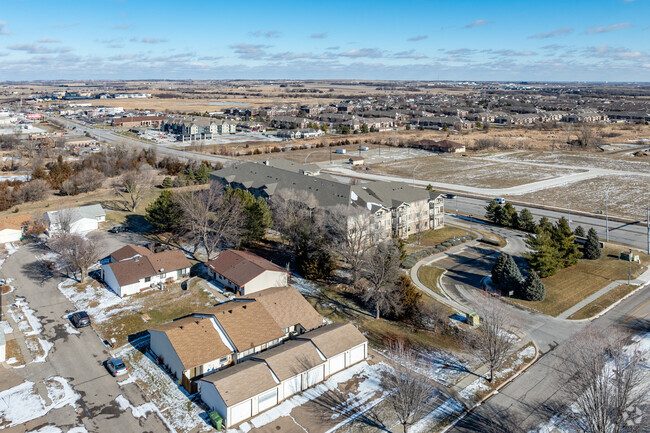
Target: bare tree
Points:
(381, 270)
(492, 341)
(33, 190)
(409, 393)
(212, 219)
(352, 232)
(289, 208)
(606, 382)
(586, 135)
(64, 220)
(86, 180)
(132, 186)
(77, 253)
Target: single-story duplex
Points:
(132, 268)
(82, 219)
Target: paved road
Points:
(79, 358)
(108, 136)
(535, 396)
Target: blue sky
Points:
(543, 40)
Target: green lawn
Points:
(571, 285)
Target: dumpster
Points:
(472, 319)
(216, 419)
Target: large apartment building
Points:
(392, 208)
(197, 128)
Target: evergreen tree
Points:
(492, 211)
(202, 174)
(511, 279)
(189, 175)
(165, 213)
(258, 215)
(544, 259)
(580, 232)
(497, 269)
(509, 217)
(533, 289)
(545, 224)
(526, 221)
(592, 246)
(167, 182)
(410, 298)
(565, 244)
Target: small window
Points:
(147, 279)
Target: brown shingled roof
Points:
(130, 251)
(291, 358)
(195, 341)
(288, 307)
(247, 323)
(241, 266)
(242, 381)
(335, 338)
(131, 271)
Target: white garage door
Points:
(240, 412)
(292, 386)
(267, 400)
(337, 363)
(357, 354)
(314, 376)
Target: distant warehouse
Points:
(128, 122)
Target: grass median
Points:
(602, 303)
(429, 276)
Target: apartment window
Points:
(147, 279)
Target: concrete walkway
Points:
(641, 280)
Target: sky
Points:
(540, 40)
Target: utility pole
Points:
(629, 269)
(647, 222)
(606, 218)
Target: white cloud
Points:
(417, 38)
(48, 41)
(3, 30)
(410, 54)
(249, 51)
(318, 35)
(363, 52)
(265, 34)
(558, 32)
(478, 23)
(605, 29)
(153, 40)
(38, 49)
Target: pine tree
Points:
(492, 210)
(526, 221)
(544, 259)
(592, 246)
(511, 279)
(497, 269)
(545, 224)
(509, 217)
(165, 213)
(533, 288)
(565, 244)
(167, 182)
(202, 174)
(580, 232)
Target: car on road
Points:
(119, 229)
(500, 200)
(451, 196)
(116, 367)
(80, 319)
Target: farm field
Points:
(609, 161)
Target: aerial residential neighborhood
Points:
(338, 217)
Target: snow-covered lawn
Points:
(446, 410)
(31, 328)
(304, 286)
(22, 403)
(99, 302)
(170, 400)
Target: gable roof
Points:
(92, 211)
(290, 359)
(240, 267)
(195, 340)
(288, 307)
(133, 270)
(242, 381)
(334, 338)
(14, 222)
(130, 251)
(246, 322)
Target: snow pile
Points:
(24, 316)
(22, 403)
(305, 287)
(449, 408)
(527, 353)
(46, 346)
(70, 329)
(142, 410)
(99, 302)
(368, 388)
(179, 412)
(5, 327)
(474, 388)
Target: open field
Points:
(468, 171)
(610, 161)
(571, 285)
(628, 195)
(603, 302)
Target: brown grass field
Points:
(603, 302)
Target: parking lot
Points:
(166, 139)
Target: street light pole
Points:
(606, 218)
(647, 222)
(629, 270)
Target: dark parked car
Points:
(80, 319)
(116, 367)
(450, 196)
(119, 229)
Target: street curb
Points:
(495, 391)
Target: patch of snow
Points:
(46, 346)
(131, 379)
(55, 429)
(103, 299)
(305, 287)
(445, 410)
(11, 361)
(11, 248)
(473, 388)
(528, 352)
(70, 329)
(142, 410)
(22, 403)
(25, 317)
(5, 327)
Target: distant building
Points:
(199, 128)
(135, 121)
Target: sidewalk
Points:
(639, 281)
